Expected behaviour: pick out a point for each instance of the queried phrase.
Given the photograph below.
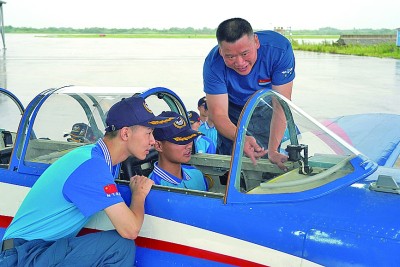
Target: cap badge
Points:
(147, 107)
(180, 123)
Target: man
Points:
(174, 145)
(202, 108)
(202, 144)
(242, 63)
(77, 186)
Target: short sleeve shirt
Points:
(192, 178)
(275, 65)
(66, 195)
(203, 144)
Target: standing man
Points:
(242, 63)
(77, 186)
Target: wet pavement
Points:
(325, 86)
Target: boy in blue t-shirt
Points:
(79, 185)
(174, 145)
(202, 144)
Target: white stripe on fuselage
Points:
(11, 198)
(174, 232)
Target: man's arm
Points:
(218, 111)
(278, 126)
(128, 220)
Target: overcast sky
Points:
(164, 14)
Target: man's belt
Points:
(7, 244)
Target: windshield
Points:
(75, 116)
(316, 156)
(11, 110)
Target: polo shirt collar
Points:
(106, 153)
(166, 176)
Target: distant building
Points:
(398, 37)
(284, 31)
(352, 39)
(281, 30)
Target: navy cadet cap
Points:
(134, 111)
(179, 132)
(193, 116)
(202, 101)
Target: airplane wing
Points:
(377, 135)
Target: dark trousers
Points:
(106, 248)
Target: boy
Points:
(79, 185)
(174, 145)
(202, 144)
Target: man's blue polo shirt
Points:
(274, 66)
(66, 195)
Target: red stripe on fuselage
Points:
(167, 247)
(5, 221)
(193, 252)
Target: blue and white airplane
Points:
(335, 206)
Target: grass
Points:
(327, 37)
(387, 50)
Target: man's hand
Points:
(140, 184)
(278, 159)
(252, 149)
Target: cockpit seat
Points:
(133, 166)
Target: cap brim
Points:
(184, 137)
(158, 122)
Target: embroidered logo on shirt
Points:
(111, 189)
(264, 82)
(287, 72)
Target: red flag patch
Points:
(110, 189)
(264, 81)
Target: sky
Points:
(164, 14)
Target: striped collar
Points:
(106, 153)
(207, 126)
(166, 176)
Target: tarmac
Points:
(326, 85)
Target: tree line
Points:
(188, 30)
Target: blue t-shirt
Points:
(210, 132)
(203, 144)
(192, 178)
(274, 66)
(66, 195)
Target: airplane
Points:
(334, 206)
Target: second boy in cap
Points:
(174, 145)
